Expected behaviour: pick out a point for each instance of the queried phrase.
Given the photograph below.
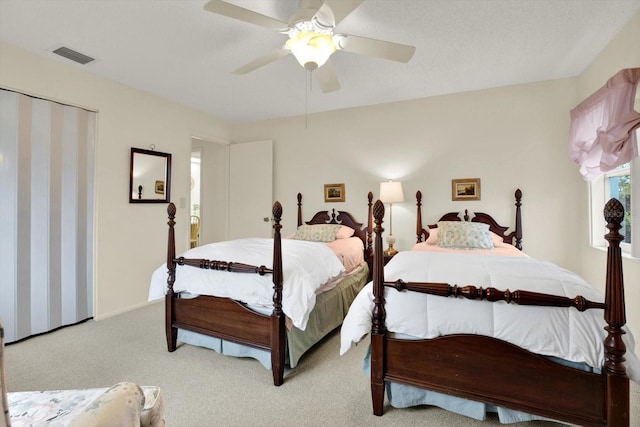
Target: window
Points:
(618, 184)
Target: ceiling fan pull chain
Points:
(306, 96)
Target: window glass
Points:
(619, 187)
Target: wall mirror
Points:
(150, 180)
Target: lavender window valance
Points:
(602, 134)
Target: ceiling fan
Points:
(311, 37)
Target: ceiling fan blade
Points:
(373, 47)
(327, 78)
(232, 11)
(263, 60)
(333, 11)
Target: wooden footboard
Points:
(493, 371)
(225, 318)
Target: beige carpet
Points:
(203, 388)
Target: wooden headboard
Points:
(513, 238)
(343, 218)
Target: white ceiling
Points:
(179, 51)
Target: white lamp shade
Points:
(391, 192)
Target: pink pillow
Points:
(433, 236)
(345, 232)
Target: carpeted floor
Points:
(203, 388)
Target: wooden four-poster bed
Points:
(268, 329)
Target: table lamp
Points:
(391, 192)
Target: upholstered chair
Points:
(124, 404)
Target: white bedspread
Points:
(562, 332)
(306, 266)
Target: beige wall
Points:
(622, 52)
(514, 137)
(130, 239)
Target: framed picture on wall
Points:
(465, 189)
(159, 187)
(334, 193)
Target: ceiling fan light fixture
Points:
(311, 49)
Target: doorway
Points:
(209, 189)
(194, 208)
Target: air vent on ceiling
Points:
(73, 55)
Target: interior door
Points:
(250, 189)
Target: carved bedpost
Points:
(170, 331)
(299, 209)
(518, 196)
(378, 329)
(617, 383)
(370, 223)
(419, 217)
(277, 316)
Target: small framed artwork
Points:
(465, 189)
(334, 192)
(159, 187)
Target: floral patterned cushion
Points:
(464, 235)
(124, 404)
(317, 232)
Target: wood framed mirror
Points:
(150, 178)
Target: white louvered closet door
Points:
(46, 214)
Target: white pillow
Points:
(464, 235)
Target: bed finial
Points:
(466, 215)
(299, 209)
(277, 211)
(614, 215)
(378, 213)
(171, 210)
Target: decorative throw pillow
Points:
(464, 235)
(120, 405)
(317, 232)
(433, 237)
(345, 232)
(495, 239)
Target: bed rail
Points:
(492, 294)
(232, 267)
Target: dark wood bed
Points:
(232, 320)
(489, 370)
